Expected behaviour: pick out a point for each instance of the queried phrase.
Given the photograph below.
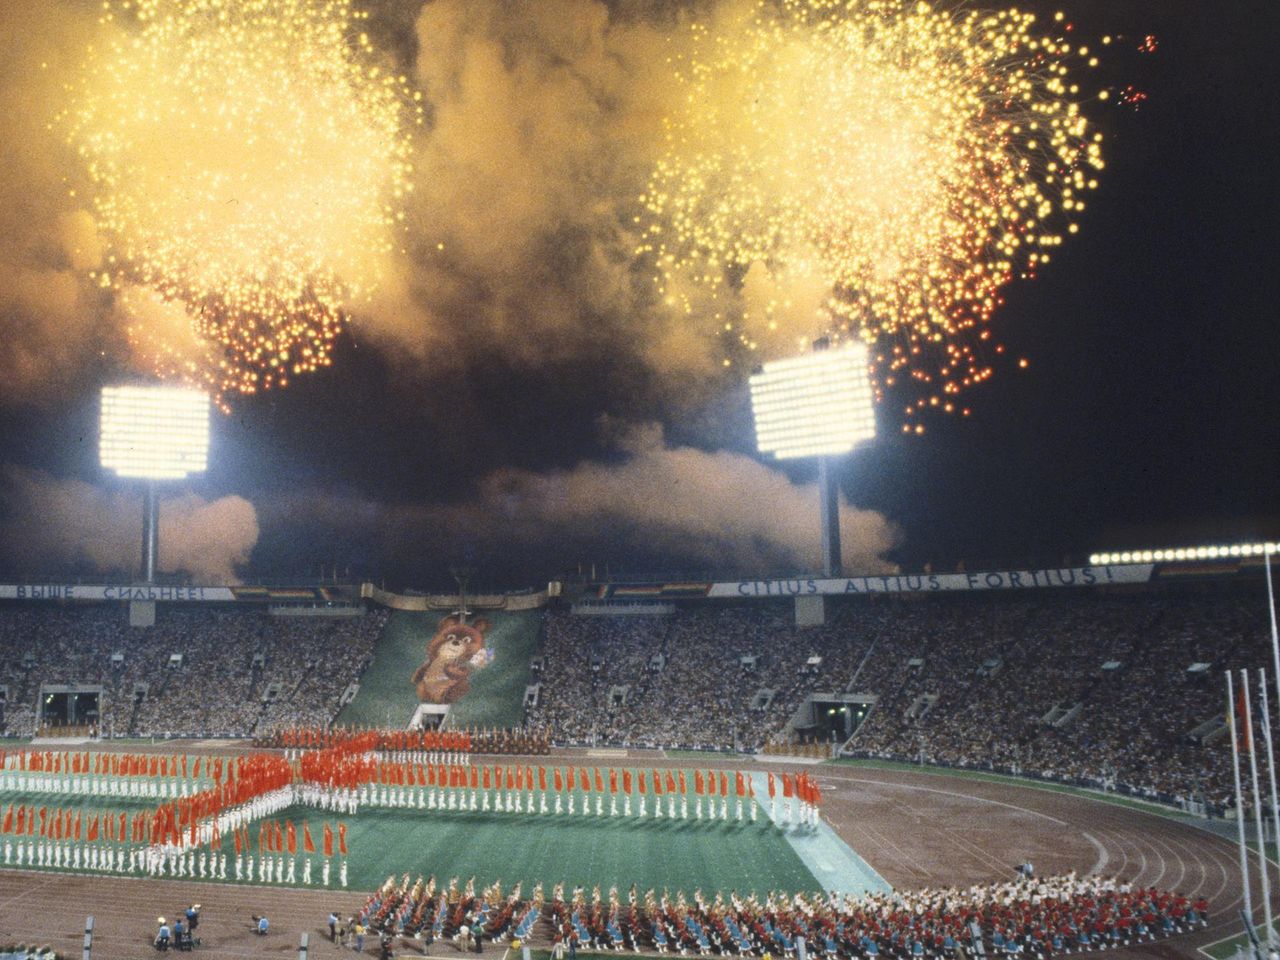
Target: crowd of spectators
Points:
(959, 680)
(241, 671)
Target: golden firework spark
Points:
(907, 159)
(247, 160)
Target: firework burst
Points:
(906, 160)
(246, 161)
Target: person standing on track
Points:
(163, 935)
(358, 930)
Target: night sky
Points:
(1145, 418)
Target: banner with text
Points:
(1093, 576)
(938, 582)
(167, 594)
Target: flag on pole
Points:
(307, 843)
(342, 839)
(1242, 727)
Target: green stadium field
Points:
(578, 850)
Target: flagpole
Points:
(1271, 771)
(1235, 769)
(1271, 606)
(1257, 808)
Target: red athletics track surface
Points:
(915, 829)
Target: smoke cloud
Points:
(57, 524)
(49, 312)
(545, 117)
(719, 510)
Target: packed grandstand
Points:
(1116, 687)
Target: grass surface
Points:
(387, 697)
(88, 806)
(1228, 947)
(585, 850)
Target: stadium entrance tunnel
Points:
(831, 718)
(65, 707)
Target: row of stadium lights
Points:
(1186, 553)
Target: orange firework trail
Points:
(904, 160)
(246, 163)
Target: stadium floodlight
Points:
(1171, 554)
(153, 433)
(818, 405)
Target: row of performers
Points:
(373, 738)
(82, 856)
(118, 764)
(1042, 917)
(526, 789)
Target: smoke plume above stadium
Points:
(707, 510)
(57, 525)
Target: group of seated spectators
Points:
(221, 687)
(960, 680)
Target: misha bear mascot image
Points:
(455, 650)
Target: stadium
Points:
(736, 478)
(690, 751)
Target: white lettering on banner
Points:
(935, 582)
(83, 591)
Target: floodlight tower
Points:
(153, 433)
(818, 405)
